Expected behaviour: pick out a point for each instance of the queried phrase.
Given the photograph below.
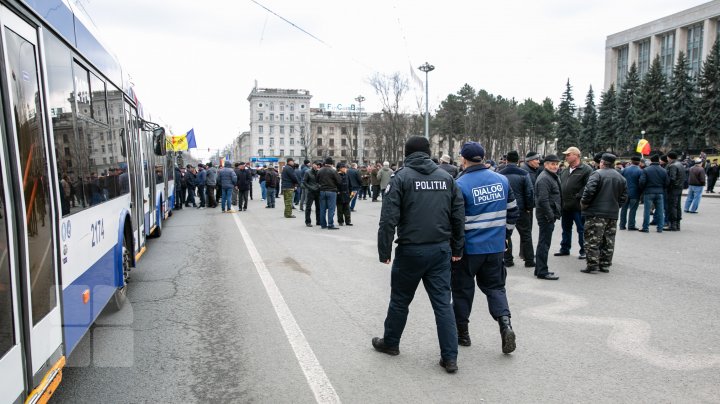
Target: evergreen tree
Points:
(567, 124)
(682, 107)
(451, 121)
(653, 105)
(628, 127)
(606, 121)
(589, 130)
(708, 102)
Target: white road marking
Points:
(629, 336)
(314, 373)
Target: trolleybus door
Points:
(11, 362)
(28, 176)
(149, 178)
(136, 178)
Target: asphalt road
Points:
(207, 323)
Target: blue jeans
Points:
(693, 197)
(659, 201)
(431, 264)
(632, 206)
(568, 218)
(545, 232)
(328, 201)
(355, 198)
(263, 190)
(226, 199)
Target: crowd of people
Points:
(454, 225)
(331, 190)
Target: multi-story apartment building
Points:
(279, 121)
(336, 134)
(692, 31)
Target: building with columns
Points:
(692, 31)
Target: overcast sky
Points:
(194, 63)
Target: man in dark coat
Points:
(713, 171)
(605, 192)
(632, 174)
(311, 190)
(445, 164)
(532, 165)
(572, 183)
(288, 182)
(244, 182)
(676, 173)
(548, 209)
(653, 184)
(355, 182)
(523, 188)
(343, 195)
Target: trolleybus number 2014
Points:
(98, 232)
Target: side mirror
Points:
(159, 143)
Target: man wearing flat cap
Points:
(604, 194)
(572, 183)
(491, 212)
(445, 161)
(532, 165)
(548, 209)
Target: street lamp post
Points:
(427, 68)
(360, 136)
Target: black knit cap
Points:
(654, 158)
(329, 161)
(513, 156)
(597, 157)
(672, 155)
(417, 144)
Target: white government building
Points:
(691, 31)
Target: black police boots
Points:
(507, 334)
(379, 345)
(463, 335)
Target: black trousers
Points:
(711, 181)
(488, 271)
(243, 199)
(343, 212)
(545, 232)
(429, 263)
(310, 198)
(674, 206)
(375, 192)
(524, 229)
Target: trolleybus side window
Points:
(24, 92)
(87, 128)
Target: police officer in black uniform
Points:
(427, 208)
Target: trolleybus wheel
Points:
(120, 295)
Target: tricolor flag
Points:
(643, 147)
(183, 142)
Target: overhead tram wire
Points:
(311, 35)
